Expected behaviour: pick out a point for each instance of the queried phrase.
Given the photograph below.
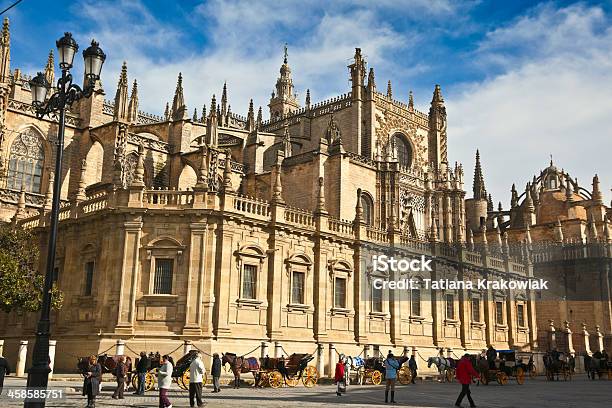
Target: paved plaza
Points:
(579, 393)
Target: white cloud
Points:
(553, 98)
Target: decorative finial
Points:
(285, 57)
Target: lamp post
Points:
(67, 93)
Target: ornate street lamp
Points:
(67, 93)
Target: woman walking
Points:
(91, 383)
(391, 367)
(339, 378)
(464, 373)
(120, 373)
(164, 379)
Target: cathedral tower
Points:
(283, 99)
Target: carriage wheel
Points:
(404, 375)
(502, 378)
(135, 382)
(275, 379)
(292, 381)
(520, 376)
(310, 376)
(149, 381)
(532, 372)
(263, 378)
(376, 377)
(450, 375)
(183, 380)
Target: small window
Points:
(499, 312)
(297, 287)
(404, 151)
(163, 276)
(520, 315)
(368, 209)
(89, 272)
(249, 280)
(340, 293)
(377, 300)
(476, 309)
(415, 302)
(450, 307)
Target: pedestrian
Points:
(215, 371)
(92, 380)
(120, 373)
(339, 378)
(142, 366)
(4, 370)
(164, 379)
(196, 376)
(391, 367)
(347, 371)
(464, 372)
(412, 365)
(491, 356)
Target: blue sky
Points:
(522, 80)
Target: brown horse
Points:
(108, 365)
(241, 364)
(289, 367)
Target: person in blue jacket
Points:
(391, 367)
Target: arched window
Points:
(26, 160)
(404, 150)
(368, 208)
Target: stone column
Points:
(264, 349)
(332, 360)
(1, 346)
(552, 336)
(278, 350)
(130, 266)
(52, 344)
(119, 347)
(587, 344)
(599, 335)
(570, 343)
(366, 351)
(21, 358)
(320, 358)
(186, 346)
(195, 278)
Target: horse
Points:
(444, 365)
(356, 364)
(240, 364)
(108, 364)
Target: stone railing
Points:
(473, 257)
(416, 245)
(31, 222)
(342, 227)
(168, 198)
(376, 235)
(251, 205)
(96, 202)
(297, 216)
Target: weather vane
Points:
(285, 53)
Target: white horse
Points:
(444, 366)
(356, 364)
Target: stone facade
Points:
(234, 232)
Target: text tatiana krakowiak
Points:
(449, 284)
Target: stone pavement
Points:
(579, 393)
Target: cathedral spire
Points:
(410, 101)
(203, 117)
(250, 124)
(179, 109)
(5, 51)
(308, 99)
(133, 105)
(389, 90)
(167, 111)
(50, 69)
(437, 98)
(259, 121)
(194, 119)
(211, 128)
(489, 203)
(596, 193)
(227, 172)
(224, 99)
(277, 188)
(121, 97)
(371, 80)
(283, 100)
(480, 193)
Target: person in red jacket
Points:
(339, 377)
(464, 372)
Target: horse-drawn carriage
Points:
(445, 365)
(506, 365)
(180, 372)
(373, 369)
(526, 362)
(598, 365)
(558, 364)
(108, 364)
(274, 371)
